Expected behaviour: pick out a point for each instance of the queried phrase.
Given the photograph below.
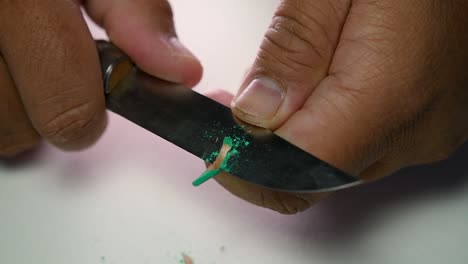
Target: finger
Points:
(282, 202)
(16, 131)
(54, 64)
(362, 117)
(144, 29)
(221, 96)
(294, 57)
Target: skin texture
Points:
(369, 86)
(50, 81)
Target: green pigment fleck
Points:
(212, 157)
(206, 176)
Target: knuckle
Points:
(288, 34)
(18, 143)
(167, 16)
(165, 8)
(283, 203)
(71, 125)
(295, 42)
(441, 155)
(304, 27)
(446, 151)
(444, 154)
(9, 3)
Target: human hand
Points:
(50, 79)
(368, 86)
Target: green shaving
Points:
(206, 176)
(235, 143)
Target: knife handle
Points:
(115, 64)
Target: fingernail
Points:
(261, 99)
(178, 49)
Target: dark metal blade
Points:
(199, 125)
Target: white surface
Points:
(129, 199)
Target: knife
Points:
(201, 125)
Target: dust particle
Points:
(186, 259)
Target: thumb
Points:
(144, 29)
(294, 57)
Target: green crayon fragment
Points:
(234, 143)
(206, 176)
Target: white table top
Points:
(129, 199)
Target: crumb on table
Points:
(187, 259)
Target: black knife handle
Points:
(115, 64)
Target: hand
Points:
(368, 86)
(50, 80)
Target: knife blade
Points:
(199, 125)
